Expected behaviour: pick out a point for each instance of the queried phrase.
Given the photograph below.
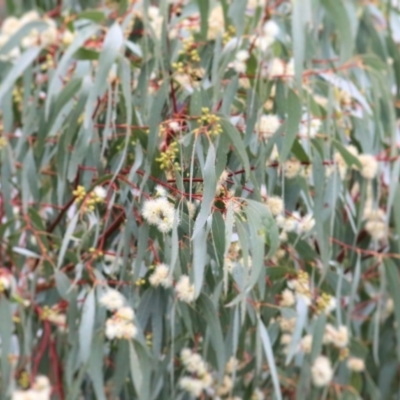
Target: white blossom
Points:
(193, 386)
(267, 126)
(321, 371)
(216, 23)
(100, 192)
(112, 300)
(369, 166)
(292, 168)
(159, 212)
(161, 276)
(355, 364)
(306, 344)
(184, 289)
(287, 299)
(275, 205)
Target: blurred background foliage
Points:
(200, 199)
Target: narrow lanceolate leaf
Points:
(393, 281)
(209, 184)
(238, 144)
(294, 117)
(86, 326)
(20, 65)
(266, 342)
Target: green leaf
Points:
(292, 126)
(92, 15)
(210, 184)
(204, 7)
(86, 327)
(214, 329)
(393, 281)
(337, 11)
(20, 65)
(265, 340)
(238, 143)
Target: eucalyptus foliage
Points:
(200, 199)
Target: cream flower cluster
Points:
(376, 224)
(185, 290)
(275, 205)
(239, 64)
(278, 68)
(321, 371)
(120, 325)
(267, 126)
(295, 223)
(356, 364)
(40, 390)
(292, 168)
(369, 164)
(270, 31)
(301, 287)
(216, 23)
(161, 276)
(339, 337)
(112, 300)
(12, 24)
(159, 212)
(156, 20)
(309, 127)
(200, 378)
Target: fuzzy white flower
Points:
(276, 68)
(355, 364)
(184, 289)
(67, 37)
(267, 126)
(369, 166)
(193, 362)
(125, 313)
(159, 212)
(100, 192)
(161, 276)
(275, 205)
(310, 127)
(242, 55)
(231, 365)
(341, 338)
(216, 23)
(292, 168)
(287, 324)
(40, 390)
(226, 386)
(10, 26)
(286, 339)
(193, 386)
(271, 29)
(257, 395)
(287, 299)
(306, 344)
(112, 300)
(161, 191)
(306, 223)
(30, 16)
(119, 329)
(42, 387)
(321, 371)
(49, 35)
